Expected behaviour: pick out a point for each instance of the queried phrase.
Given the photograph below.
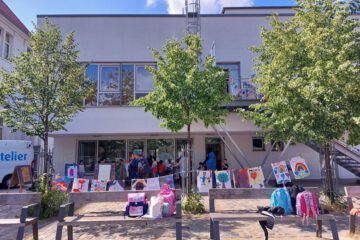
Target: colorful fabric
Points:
(223, 179)
(80, 185)
(281, 172)
(256, 177)
(138, 184)
(61, 183)
(168, 196)
(299, 167)
(169, 180)
(116, 186)
(306, 205)
(98, 185)
(241, 178)
(204, 181)
(281, 198)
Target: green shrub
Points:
(51, 198)
(193, 204)
(339, 203)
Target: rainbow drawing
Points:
(299, 167)
(281, 172)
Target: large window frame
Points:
(142, 92)
(7, 45)
(229, 70)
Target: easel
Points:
(18, 178)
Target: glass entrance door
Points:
(136, 147)
(216, 146)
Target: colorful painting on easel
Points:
(152, 184)
(138, 184)
(80, 185)
(204, 181)
(169, 180)
(299, 167)
(71, 170)
(116, 186)
(281, 172)
(223, 179)
(98, 185)
(241, 178)
(256, 177)
(61, 183)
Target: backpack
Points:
(136, 205)
(168, 197)
(306, 205)
(155, 208)
(294, 191)
(281, 198)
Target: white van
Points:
(13, 153)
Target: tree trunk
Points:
(46, 152)
(329, 188)
(189, 161)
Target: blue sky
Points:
(27, 10)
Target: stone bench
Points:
(68, 219)
(252, 215)
(28, 201)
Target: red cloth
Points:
(161, 168)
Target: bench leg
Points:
(263, 226)
(20, 233)
(59, 232)
(35, 230)
(178, 231)
(334, 230)
(70, 232)
(352, 223)
(319, 228)
(216, 230)
(211, 229)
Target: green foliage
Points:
(47, 85)
(308, 69)
(51, 198)
(193, 204)
(186, 90)
(338, 202)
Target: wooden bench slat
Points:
(19, 198)
(15, 222)
(352, 191)
(259, 217)
(97, 220)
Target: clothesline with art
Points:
(226, 179)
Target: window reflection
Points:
(110, 79)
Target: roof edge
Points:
(256, 7)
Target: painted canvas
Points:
(80, 185)
(256, 177)
(152, 184)
(241, 178)
(281, 172)
(71, 170)
(116, 186)
(61, 183)
(299, 167)
(204, 181)
(169, 180)
(138, 184)
(98, 185)
(223, 179)
(104, 172)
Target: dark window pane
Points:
(112, 151)
(92, 73)
(278, 147)
(127, 85)
(258, 144)
(87, 154)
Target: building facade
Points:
(117, 46)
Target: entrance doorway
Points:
(216, 146)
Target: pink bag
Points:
(168, 197)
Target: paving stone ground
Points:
(194, 227)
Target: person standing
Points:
(211, 165)
(225, 165)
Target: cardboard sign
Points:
(223, 179)
(21, 175)
(256, 177)
(281, 172)
(105, 171)
(299, 167)
(71, 170)
(204, 181)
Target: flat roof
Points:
(256, 7)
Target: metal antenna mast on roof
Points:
(192, 11)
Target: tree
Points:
(186, 89)
(46, 88)
(308, 70)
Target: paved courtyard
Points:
(194, 227)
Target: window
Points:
(127, 83)
(161, 149)
(258, 144)
(181, 145)
(143, 81)
(92, 73)
(112, 151)
(7, 46)
(109, 91)
(136, 147)
(87, 154)
(233, 81)
(278, 147)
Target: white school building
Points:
(117, 46)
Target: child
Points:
(161, 168)
(81, 169)
(154, 169)
(225, 165)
